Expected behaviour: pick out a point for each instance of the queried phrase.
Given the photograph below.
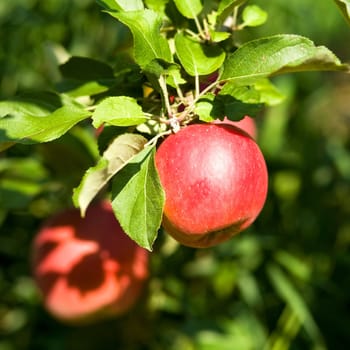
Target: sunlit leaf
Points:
(189, 8)
(204, 107)
(25, 123)
(216, 37)
(157, 5)
(197, 58)
(277, 54)
(118, 111)
(211, 107)
(171, 71)
(253, 16)
(226, 8)
(261, 91)
(115, 157)
(149, 43)
(121, 5)
(138, 198)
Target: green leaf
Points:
(84, 76)
(277, 54)
(115, 157)
(211, 107)
(253, 16)
(138, 198)
(216, 37)
(76, 88)
(157, 5)
(294, 299)
(171, 71)
(26, 123)
(121, 5)
(226, 8)
(149, 43)
(233, 109)
(262, 91)
(39, 103)
(197, 58)
(268, 93)
(204, 107)
(344, 6)
(174, 77)
(189, 8)
(118, 111)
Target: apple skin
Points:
(87, 269)
(215, 181)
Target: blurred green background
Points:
(283, 284)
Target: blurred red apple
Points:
(215, 181)
(87, 268)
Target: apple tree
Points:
(98, 134)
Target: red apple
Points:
(87, 268)
(215, 181)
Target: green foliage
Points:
(148, 43)
(199, 55)
(278, 54)
(253, 16)
(122, 5)
(21, 124)
(122, 111)
(189, 9)
(344, 5)
(196, 58)
(283, 283)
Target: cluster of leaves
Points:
(187, 66)
(283, 284)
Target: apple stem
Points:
(199, 27)
(163, 86)
(197, 88)
(206, 29)
(152, 142)
(179, 92)
(234, 18)
(192, 105)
